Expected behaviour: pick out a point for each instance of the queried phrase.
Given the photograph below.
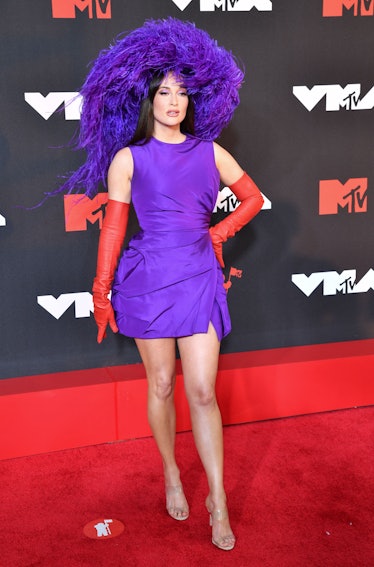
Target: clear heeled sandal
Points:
(226, 542)
(176, 512)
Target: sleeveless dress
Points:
(168, 282)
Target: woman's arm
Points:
(245, 190)
(111, 238)
(120, 175)
(229, 169)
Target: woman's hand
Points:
(104, 315)
(217, 246)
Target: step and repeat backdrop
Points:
(301, 273)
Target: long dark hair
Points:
(145, 126)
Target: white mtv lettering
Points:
(58, 306)
(227, 201)
(334, 283)
(102, 529)
(337, 97)
(2, 221)
(235, 5)
(47, 105)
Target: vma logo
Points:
(228, 5)
(48, 105)
(336, 8)
(337, 97)
(98, 9)
(227, 202)
(56, 307)
(2, 220)
(80, 210)
(333, 283)
(349, 197)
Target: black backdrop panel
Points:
(303, 131)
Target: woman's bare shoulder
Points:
(123, 159)
(120, 175)
(228, 167)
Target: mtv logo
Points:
(235, 5)
(336, 8)
(79, 210)
(334, 283)
(100, 9)
(350, 196)
(336, 97)
(227, 5)
(227, 202)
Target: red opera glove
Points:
(251, 201)
(110, 243)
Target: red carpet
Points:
(301, 493)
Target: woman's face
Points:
(170, 103)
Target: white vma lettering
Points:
(227, 202)
(58, 306)
(227, 5)
(235, 5)
(337, 97)
(47, 105)
(333, 282)
(2, 221)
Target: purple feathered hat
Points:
(119, 80)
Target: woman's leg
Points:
(199, 355)
(158, 356)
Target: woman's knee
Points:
(161, 385)
(202, 396)
(158, 356)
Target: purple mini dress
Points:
(168, 281)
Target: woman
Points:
(167, 288)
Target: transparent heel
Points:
(225, 542)
(174, 493)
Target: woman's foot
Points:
(176, 503)
(222, 535)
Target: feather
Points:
(118, 82)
